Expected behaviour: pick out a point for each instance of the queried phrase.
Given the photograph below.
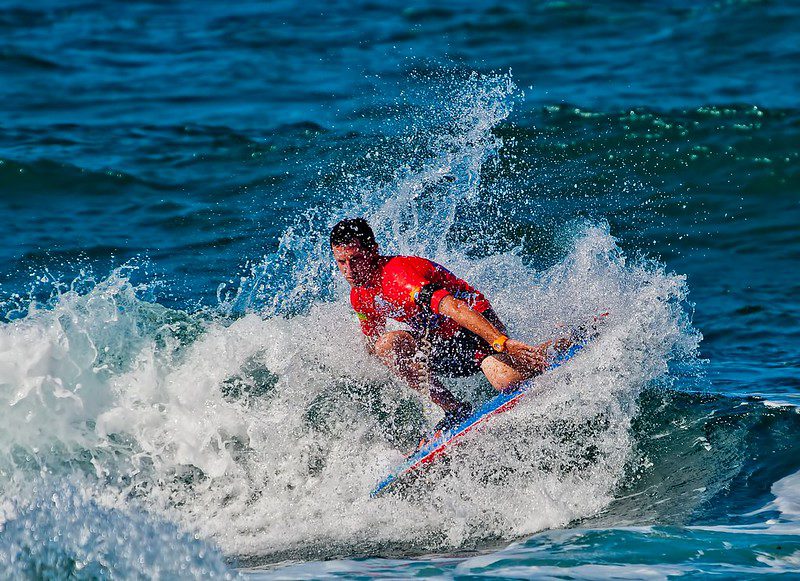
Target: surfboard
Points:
(431, 450)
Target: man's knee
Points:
(395, 344)
(501, 374)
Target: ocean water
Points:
(183, 391)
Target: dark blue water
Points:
(176, 347)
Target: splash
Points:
(266, 434)
(264, 425)
(436, 169)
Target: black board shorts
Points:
(458, 356)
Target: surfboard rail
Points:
(429, 451)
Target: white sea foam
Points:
(63, 532)
(786, 503)
(267, 432)
(787, 496)
(96, 385)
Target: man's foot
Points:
(453, 417)
(591, 329)
(579, 335)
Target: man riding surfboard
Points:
(453, 330)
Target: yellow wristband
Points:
(499, 344)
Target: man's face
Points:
(356, 263)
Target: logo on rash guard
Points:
(388, 309)
(422, 322)
(465, 295)
(441, 268)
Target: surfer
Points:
(453, 330)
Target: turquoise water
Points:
(182, 387)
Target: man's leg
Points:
(397, 350)
(505, 374)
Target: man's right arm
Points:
(373, 327)
(372, 324)
(530, 357)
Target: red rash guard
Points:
(409, 289)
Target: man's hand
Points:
(526, 356)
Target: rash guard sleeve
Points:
(426, 283)
(443, 283)
(372, 323)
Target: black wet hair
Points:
(353, 230)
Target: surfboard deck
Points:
(431, 450)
